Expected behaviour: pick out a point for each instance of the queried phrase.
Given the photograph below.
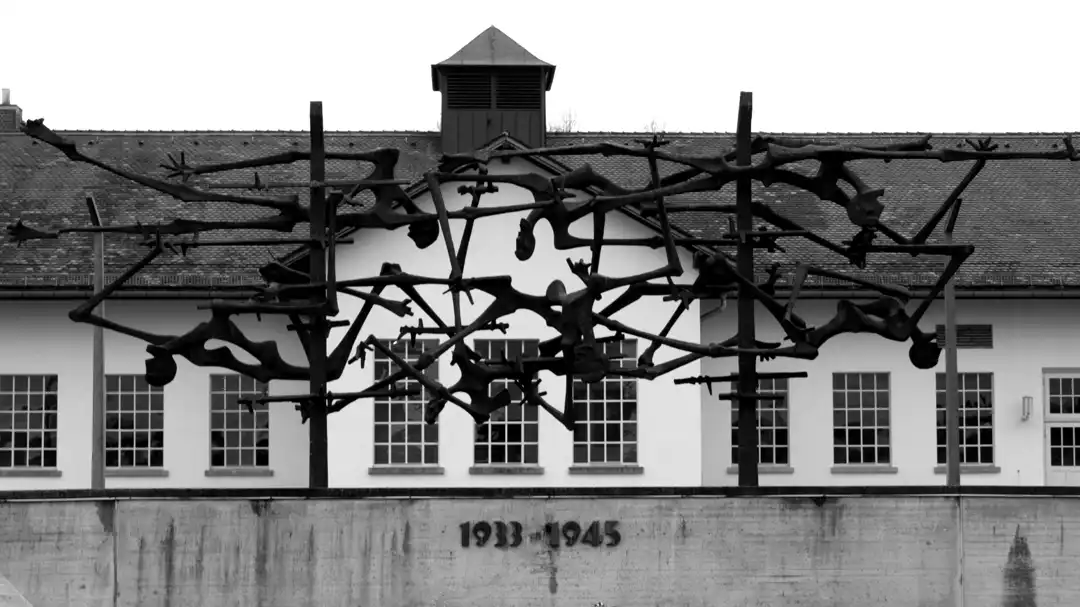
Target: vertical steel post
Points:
(952, 396)
(318, 477)
(97, 417)
(747, 384)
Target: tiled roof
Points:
(1018, 214)
(41, 186)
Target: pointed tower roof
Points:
(495, 49)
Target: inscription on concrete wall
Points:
(809, 551)
(511, 534)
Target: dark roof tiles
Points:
(1018, 214)
(45, 189)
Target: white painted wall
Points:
(668, 415)
(39, 338)
(684, 437)
(1029, 336)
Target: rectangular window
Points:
(1062, 411)
(606, 430)
(1064, 395)
(238, 437)
(402, 437)
(976, 391)
(772, 425)
(512, 435)
(28, 410)
(134, 423)
(861, 418)
(1064, 445)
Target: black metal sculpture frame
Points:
(576, 351)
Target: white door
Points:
(1061, 435)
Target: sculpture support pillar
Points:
(97, 416)
(747, 384)
(952, 396)
(317, 330)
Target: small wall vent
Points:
(969, 336)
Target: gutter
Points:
(1035, 293)
(1022, 293)
(69, 294)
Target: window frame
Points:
(941, 431)
(10, 387)
(584, 414)
(1060, 421)
(529, 416)
(862, 466)
(121, 387)
(733, 426)
(261, 409)
(411, 352)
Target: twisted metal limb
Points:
(309, 297)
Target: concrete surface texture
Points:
(10, 596)
(902, 551)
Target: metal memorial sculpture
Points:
(310, 298)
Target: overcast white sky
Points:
(813, 65)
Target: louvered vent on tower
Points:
(519, 91)
(492, 86)
(468, 90)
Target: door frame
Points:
(1055, 419)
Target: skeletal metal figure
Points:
(575, 351)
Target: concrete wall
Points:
(38, 338)
(668, 453)
(1030, 336)
(896, 550)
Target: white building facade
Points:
(192, 433)
(863, 416)
(866, 416)
(622, 440)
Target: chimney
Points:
(10, 115)
(492, 85)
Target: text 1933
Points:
(510, 534)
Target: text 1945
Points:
(510, 534)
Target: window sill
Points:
(392, 470)
(506, 469)
(864, 469)
(607, 469)
(30, 472)
(766, 469)
(136, 472)
(971, 469)
(234, 472)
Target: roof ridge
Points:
(865, 134)
(247, 132)
(563, 135)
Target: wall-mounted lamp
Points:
(1025, 408)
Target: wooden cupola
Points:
(492, 85)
